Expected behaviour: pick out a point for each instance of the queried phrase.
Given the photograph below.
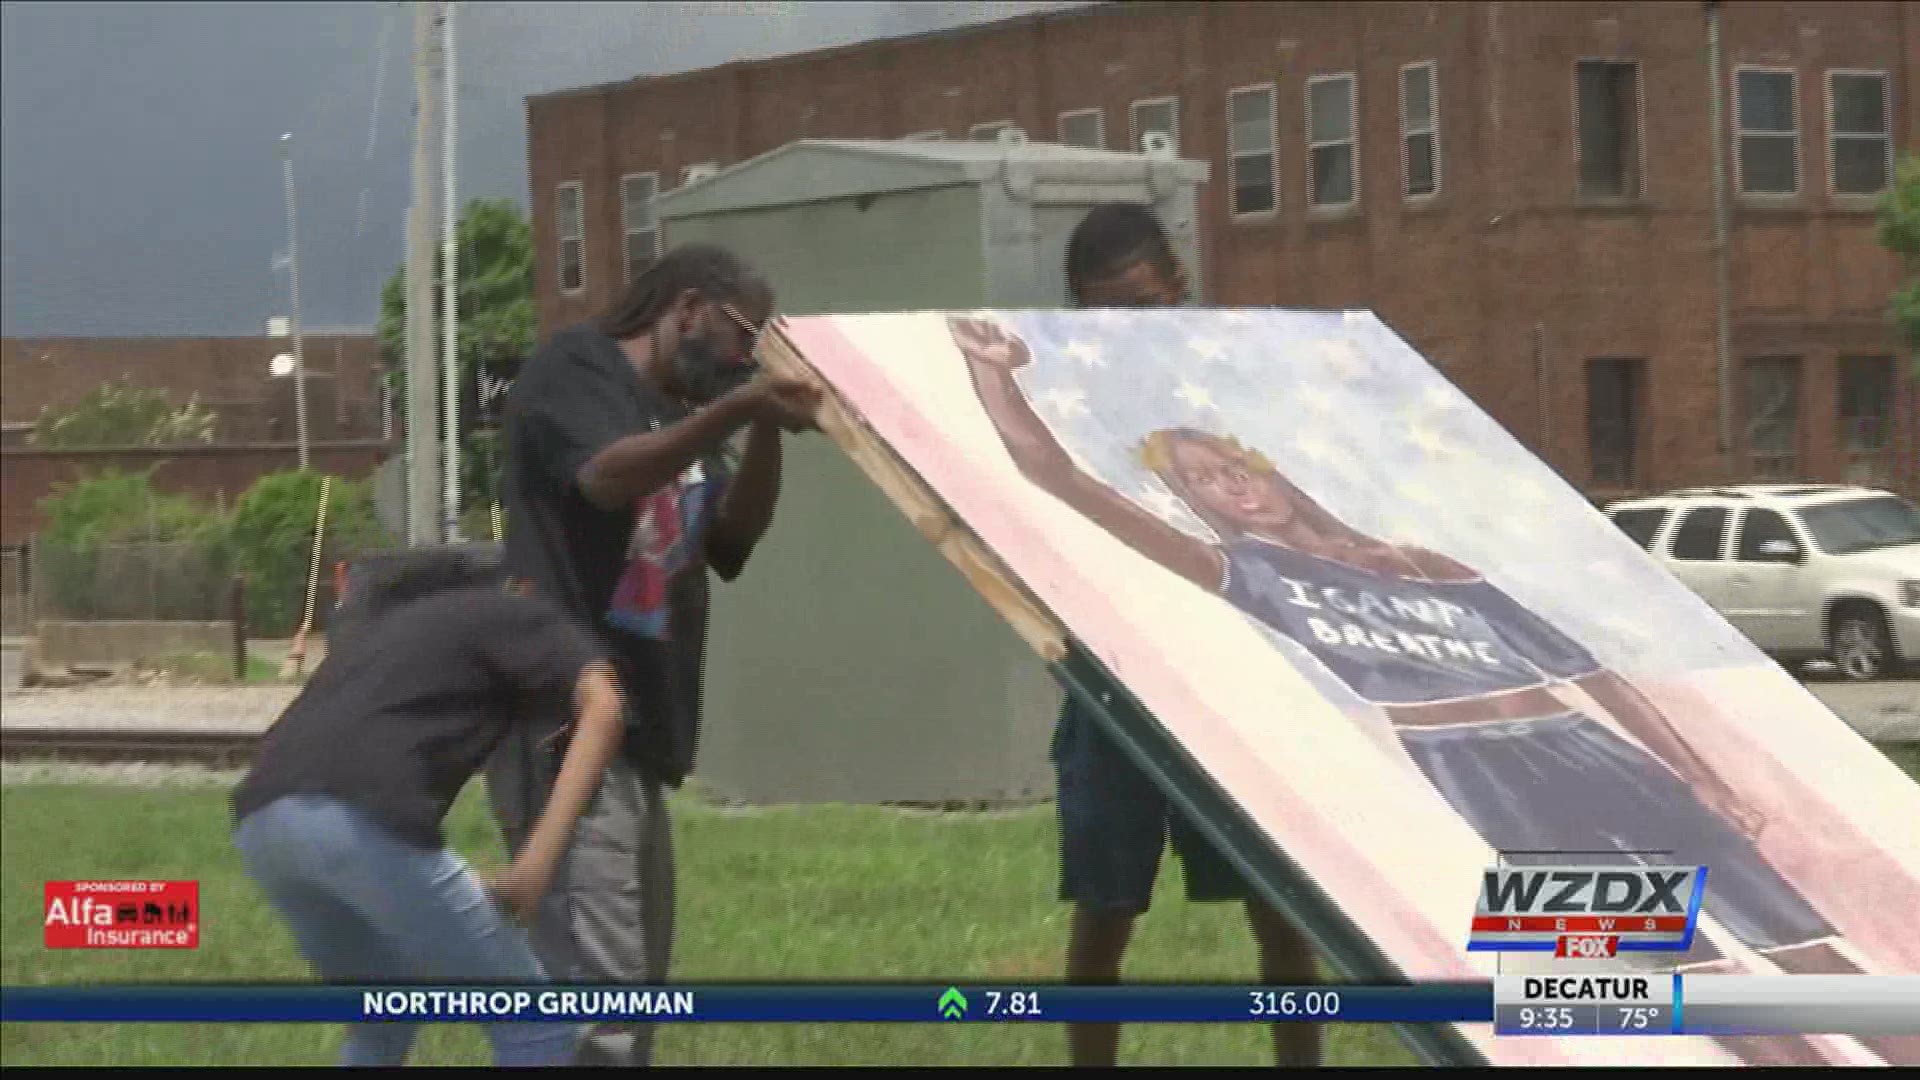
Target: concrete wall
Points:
(112, 644)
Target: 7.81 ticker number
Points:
(1294, 1004)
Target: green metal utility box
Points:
(851, 663)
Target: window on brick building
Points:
(1607, 117)
(1332, 108)
(1085, 128)
(1251, 160)
(571, 228)
(1860, 157)
(1158, 114)
(1766, 118)
(1614, 388)
(1419, 129)
(1866, 403)
(989, 132)
(1773, 417)
(637, 221)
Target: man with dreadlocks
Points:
(619, 499)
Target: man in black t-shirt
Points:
(619, 498)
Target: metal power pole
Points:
(293, 275)
(449, 284)
(423, 458)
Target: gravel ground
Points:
(129, 775)
(180, 708)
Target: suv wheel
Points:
(1858, 642)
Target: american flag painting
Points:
(1393, 637)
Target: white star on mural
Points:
(1207, 350)
(1340, 358)
(1313, 447)
(1066, 404)
(1429, 440)
(1417, 492)
(1196, 397)
(1080, 463)
(1316, 399)
(1087, 352)
(1163, 503)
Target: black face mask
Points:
(703, 376)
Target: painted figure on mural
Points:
(1483, 694)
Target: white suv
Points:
(1803, 570)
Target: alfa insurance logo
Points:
(122, 915)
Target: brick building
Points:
(228, 375)
(1527, 192)
(348, 423)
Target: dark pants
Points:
(608, 917)
(1115, 823)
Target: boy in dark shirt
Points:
(1114, 822)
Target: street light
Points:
(299, 369)
(281, 366)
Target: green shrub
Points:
(271, 534)
(114, 548)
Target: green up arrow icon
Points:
(953, 1004)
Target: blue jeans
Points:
(366, 908)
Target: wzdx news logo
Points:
(1587, 912)
(122, 915)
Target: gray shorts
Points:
(608, 917)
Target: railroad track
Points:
(217, 749)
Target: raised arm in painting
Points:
(993, 353)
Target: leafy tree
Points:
(497, 316)
(1900, 234)
(497, 321)
(122, 414)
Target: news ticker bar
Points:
(1706, 1005)
(1555, 1005)
(1430, 1003)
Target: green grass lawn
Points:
(813, 893)
(804, 893)
(215, 669)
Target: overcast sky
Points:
(140, 183)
